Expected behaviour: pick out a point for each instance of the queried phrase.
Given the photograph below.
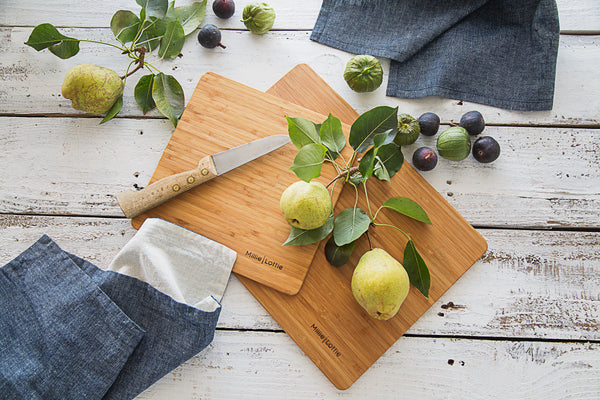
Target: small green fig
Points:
(92, 88)
(258, 17)
(408, 130)
(454, 143)
(380, 284)
(306, 205)
(363, 73)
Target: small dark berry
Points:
(486, 149)
(473, 122)
(424, 159)
(223, 8)
(210, 36)
(429, 123)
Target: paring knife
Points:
(134, 202)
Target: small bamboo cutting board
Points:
(239, 209)
(323, 318)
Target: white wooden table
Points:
(523, 323)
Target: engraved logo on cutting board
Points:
(264, 260)
(325, 340)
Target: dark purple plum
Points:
(429, 123)
(223, 8)
(473, 122)
(424, 159)
(486, 149)
(210, 36)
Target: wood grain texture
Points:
(575, 15)
(69, 166)
(33, 79)
(536, 284)
(239, 209)
(324, 319)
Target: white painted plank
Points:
(545, 177)
(31, 81)
(529, 284)
(575, 15)
(252, 365)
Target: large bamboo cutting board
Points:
(323, 318)
(239, 209)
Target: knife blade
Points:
(135, 202)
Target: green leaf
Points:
(417, 270)
(392, 159)
(299, 237)
(190, 16)
(172, 41)
(349, 225)
(408, 207)
(65, 49)
(153, 32)
(154, 8)
(332, 136)
(143, 93)
(125, 26)
(365, 167)
(380, 171)
(308, 162)
(46, 35)
(367, 125)
(168, 96)
(302, 131)
(114, 110)
(338, 255)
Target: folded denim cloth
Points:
(70, 330)
(495, 52)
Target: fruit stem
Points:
(141, 50)
(344, 174)
(395, 227)
(221, 45)
(369, 239)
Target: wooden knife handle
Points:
(135, 202)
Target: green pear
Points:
(306, 205)
(380, 284)
(92, 88)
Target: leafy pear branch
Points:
(160, 25)
(371, 137)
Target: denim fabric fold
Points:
(495, 52)
(70, 330)
(61, 336)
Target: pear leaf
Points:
(190, 16)
(154, 8)
(417, 270)
(46, 36)
(125, 26)
(302, 131)
(408, 207)
(367, 125)
(338, 255)
(114, 110)
(299, 237)
(391, 158)
(309, 161)
(349, 225)
(172, 40)
(143, 93)
(152, 33)
(168, 96)
(332, 136)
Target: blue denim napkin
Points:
(495, 52)
(70, 330)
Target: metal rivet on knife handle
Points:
(134, 202)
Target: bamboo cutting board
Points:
(239, 209)
(323, 318)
